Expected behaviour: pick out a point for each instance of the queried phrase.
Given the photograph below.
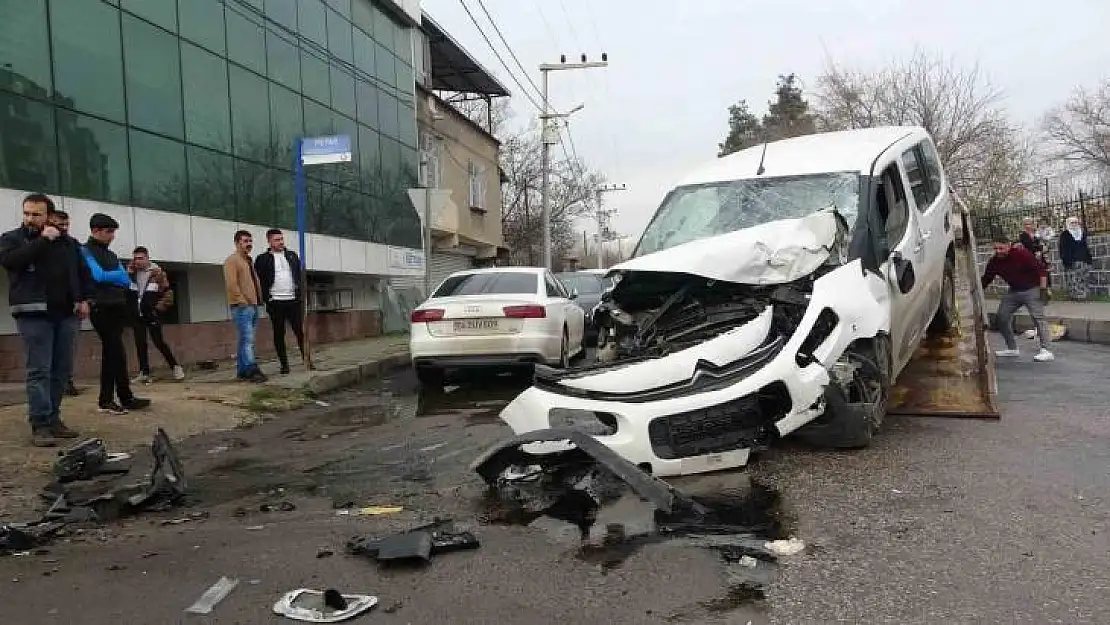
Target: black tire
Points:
(945, 321)
(844, 427)
(431, 379)
(564, 351)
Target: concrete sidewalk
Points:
(1087, 322)
(337, 365)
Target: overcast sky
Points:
(660, 108)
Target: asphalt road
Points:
(940, 521)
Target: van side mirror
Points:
(903, 272)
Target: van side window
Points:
(922, 194)
(934, 175)
(893, 195)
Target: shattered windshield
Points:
(705, 210)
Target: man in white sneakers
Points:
(1028, 283)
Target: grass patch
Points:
(270, 399)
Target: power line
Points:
(498, 55)
(497, 30)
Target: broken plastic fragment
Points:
(312, 606)
(370, 511)
(215, 594)
(788, 547)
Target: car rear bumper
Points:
(483, 351)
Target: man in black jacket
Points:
(60, 220)
(279, 275)
(48, 291)
(110, 315)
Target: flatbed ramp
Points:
(953, 375)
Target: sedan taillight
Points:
(530, 311)
(426, 315)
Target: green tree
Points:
(787, 116)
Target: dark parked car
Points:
(589, 286)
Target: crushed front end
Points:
(694, 372)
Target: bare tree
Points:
(985, 154)
(1079, 131)
(571, 187)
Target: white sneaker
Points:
(1044, 356)
(1007, 353)
(1030, 334)
(178, 373)
(142, 378)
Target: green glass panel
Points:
(94, 158)
(88, 71)
(362, 14)
(202, 22)
(406, 118)
(313, 21)
(283, 60)
(383, 66)
(158, 172)
(363, 52)
(254, 193)
(342, 91)
(383, 27)
(402, 43)
(285, 207)
(211, 184)
(347, 174)
(283, 12)
(28, 150)
(387, 114)
(367, 95)
(24, 48)
(153, 74)
(246, 40)
(339, 36)
(286, 124)
(343, 6)
(405, 78)
(410, 167)
(160, 12)
(207, 118)
(314, 77)
(318, 121)
(377, 219)
(369, 148)
(250, 118)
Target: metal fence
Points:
(1093, 210)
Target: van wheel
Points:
(564, 351)
(944, 321)
(854, 413)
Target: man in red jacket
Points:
(1028, 287)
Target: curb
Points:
(350, 375)
(1079, 329)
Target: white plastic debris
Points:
(787, 547)
(212, 596)
(308, 605)
(749, 562)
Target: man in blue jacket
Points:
(48, 291)
(110, 315)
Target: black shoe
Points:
(257, 376)
(136, 403)
(284, 370)
(111, 408)
(61, 430)
(72, 390)
(43, 437)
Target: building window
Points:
(88, 70)
(430, 173)
(153, 68)
(94, 158)
(207, 118)
(477, 191)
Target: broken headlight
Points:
(821, 330)
(585, 421)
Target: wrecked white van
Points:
(780, 289)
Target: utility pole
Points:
(549, 138)
(602, 217)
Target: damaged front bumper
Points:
(706, 407)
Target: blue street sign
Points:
(321, 150)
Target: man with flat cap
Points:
(109, 315)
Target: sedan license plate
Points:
(470, 326)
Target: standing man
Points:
(151, 296)
(48, 290)
(1026, 276)
(243, 296)
(279, 274)
(110, 315)
(60, 220)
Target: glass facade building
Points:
(193, 106)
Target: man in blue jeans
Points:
(244, 294)
(49, 290)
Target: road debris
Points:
(88, 459)
(369, 511)
(215, 594)
(419, 543)
(329, 606)
(285, 506)
(787, 547)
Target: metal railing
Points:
(1092, 209)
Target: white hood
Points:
(776, 252)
